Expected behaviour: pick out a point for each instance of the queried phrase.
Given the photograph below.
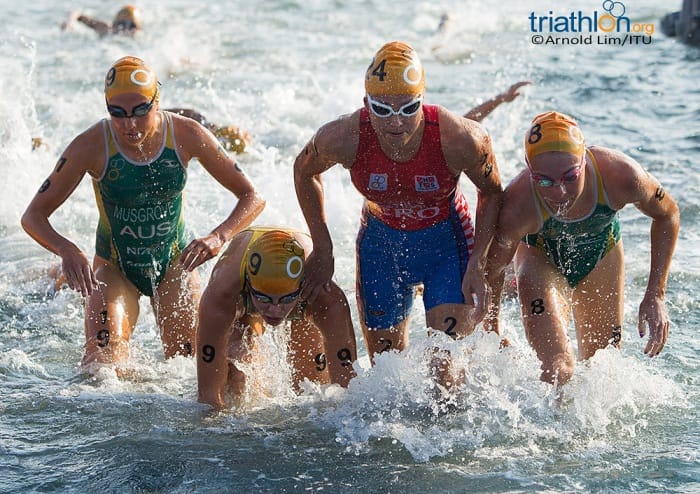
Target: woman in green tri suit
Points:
(560, 221)
(137, 160)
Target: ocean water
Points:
(281, 69)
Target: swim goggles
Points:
(569, 177)
(264, 298)
(382, 110)
(125, 26)
(138, 111)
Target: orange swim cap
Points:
(127, 15)
(553, 131)
(130, 75)
(395, 70)
(232, 138)
(275, 263)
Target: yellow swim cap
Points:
(130, 75)
(129, 17)
(395, 70)
(275, 263)
(232, 138)
(553, 131)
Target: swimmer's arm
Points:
(198, 142)
(500, 255)
(212, 363)
(626, 182)
(657, 203)
(216, 315)
(467, 149)
(335, 142)
(78, 159)
(480, 112)
(102, 28)
(516, 218)
(308, 167)
(54, 191)
(330, 313)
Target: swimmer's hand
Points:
(78, 272)
(201, 250)
(318, 272)
(652, 315)
(513, 91)
(476, 293)
(68, 24)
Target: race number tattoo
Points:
(321, 362)
(187, 348)
(103, 338)
(60, 164)
(345, 357)
(660, 194)
(208, 353)
(45, 186)
(488, 167)
(537, 306)
(451, 323)
(387, 344)
(616, 336)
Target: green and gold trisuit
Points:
(141, 227)
(576, 246)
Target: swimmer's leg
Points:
(110, 316)
(545, 305)
(598, 305)
(175, 305)
(307, 354)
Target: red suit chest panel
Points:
(409, 195)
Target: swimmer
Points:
(406, 158)
(560, 222)
(231, 137)
(128, 21)
(138, 162)
(257, 284)
(483, 110)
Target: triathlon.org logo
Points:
(612, 27)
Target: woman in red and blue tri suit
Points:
(406, 158)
